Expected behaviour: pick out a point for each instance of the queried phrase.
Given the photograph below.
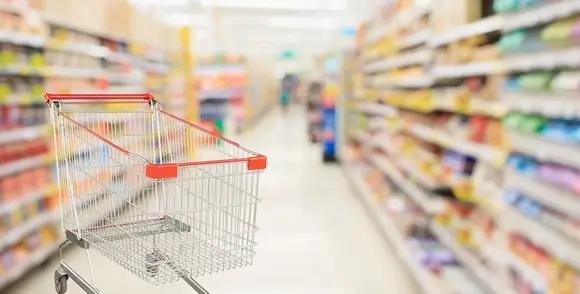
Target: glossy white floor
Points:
(315, 236)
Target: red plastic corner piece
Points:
(161, 171)
(257, 162)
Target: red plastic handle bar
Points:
(170, 170)
(86, 98)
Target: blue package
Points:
(512, 197)
(530, 3)
(530, 207)
(459, 163)
(513, 161)
(523, 164)
(575, 131)
(557, 129)
(512, 84)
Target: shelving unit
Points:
(45, 48)
(427, 283)
(223, 86)
(471, 105)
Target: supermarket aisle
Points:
(315, 236)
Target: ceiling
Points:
(264, 26)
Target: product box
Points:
(59, 10)
(440, 17)
(140, 27)
(118, 19)
(466, 11)
(38, 5)
(90, 15)
(454, 13)
(171, 39)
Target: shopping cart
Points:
(189, 196)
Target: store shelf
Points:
(36, 259)
(418, 57)
(427, 202)
(564, 201)
(448, 102)
(28, 70)
(402, 82)
(545, 60)
(488, 196)
(493, 108)
(480, 27)
(441, 138)
(41, 255)
(373, 56)
(16, 234)
(21, 39)
(78, 48)
(423, 277)
(553, 242)
(544, 149)
(443, 85)
(524, 269)
(22, 134)
(467, 70)
(415, 39)
(550, 104)
(23, 164)
(377, 109)
(219, 94)
(96, 51)
(413, 172)
(470, 261)
(7, 207)
(545, 13)
(401, 162)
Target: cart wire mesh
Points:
(199, 221)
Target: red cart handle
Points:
(98, 98)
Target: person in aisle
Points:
(313, 110)
(286, 92)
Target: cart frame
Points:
(202, 218)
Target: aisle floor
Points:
(315, 236)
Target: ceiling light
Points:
(304, 23)
(335, 5)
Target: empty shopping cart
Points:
(159, 196)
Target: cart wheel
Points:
(60, 281)
(60, 285)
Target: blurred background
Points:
(453, 124)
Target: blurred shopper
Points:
(313, 110)
(285, 100)
(287, 91)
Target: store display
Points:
(223, 91)
(330, 92)
(495, 109)
(45, 48)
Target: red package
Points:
(477, 128)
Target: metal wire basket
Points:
(190, 195)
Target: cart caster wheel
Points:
(60, 281)
(60, 285)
